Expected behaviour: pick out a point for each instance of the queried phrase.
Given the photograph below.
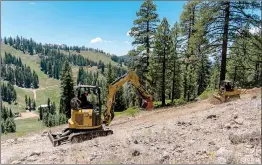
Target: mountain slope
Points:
(194, 133)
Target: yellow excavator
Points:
(86, 121)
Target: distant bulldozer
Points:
(228, 92)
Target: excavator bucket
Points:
(148, 104)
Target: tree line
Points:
(33, 47)
(198, 52)
(29, 103)
(49, 116)
(8, 93)
(52, 63)
(7, 120)
(17, 73)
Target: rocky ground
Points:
(195, 133)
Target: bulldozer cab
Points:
(227, 85)
(93, 96)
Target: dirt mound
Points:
(253, 90)
(195, 133)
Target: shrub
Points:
(206, 94)
(10, 125)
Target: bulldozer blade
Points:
(216, 99)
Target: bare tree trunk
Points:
(163, 79)
(225, 41)
(173, 83)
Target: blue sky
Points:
(78, 23)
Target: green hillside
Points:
(93, 56)
(48, 87)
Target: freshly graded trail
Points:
(195, 133)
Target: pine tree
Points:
(120, 103)
(187, 22)
(53, 109)
(110, 75)
(29, 104)
(11, 115)
(225, 19)
(243, 64)
(10, 125)
(81, 75)
(49, 105)
(26, 102)
(144, 31)
(3, 127)
(214, 79)
(176, 78)
(5, 40)
(41, 113)
(4, 113)
(67, 91)
(163, 51)
(34, 105)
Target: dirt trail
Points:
(34, 90)
(195, 133)
(27, 114)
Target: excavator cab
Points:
(89, 96)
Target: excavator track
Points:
(77, 137)
(84, 136)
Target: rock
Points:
(223, 152)
(249, 146)
(220, 160)
(227, 126)
(136, 153)
(16, 162)
(180, 150)
(45, 133)
(23, 159)
(211, 117)
(32, 158)
(37, 153)
(191, 142)
(235, 115)
(239, 121)
(136, 142)
(181, 134)
(164, 159)
(252, 138)
(138, 149)
(212, 143)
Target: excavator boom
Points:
(117, 84)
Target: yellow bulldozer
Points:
(228, 92)
(86, 116)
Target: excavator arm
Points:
(116, 85)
